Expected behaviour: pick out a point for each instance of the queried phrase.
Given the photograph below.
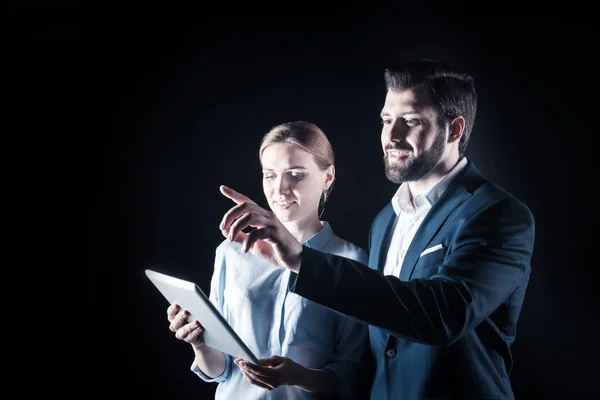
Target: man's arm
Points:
(488, 258)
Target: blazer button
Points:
(391, 353)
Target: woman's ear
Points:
(329, 177)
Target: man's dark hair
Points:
(452, 92)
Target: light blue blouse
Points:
(253, 297)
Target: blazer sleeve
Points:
(488, 257)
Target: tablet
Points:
(218, 334)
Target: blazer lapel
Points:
(455, 194)
(381, 236)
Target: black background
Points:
(169, 106)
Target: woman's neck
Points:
(304, 230)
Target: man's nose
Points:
(394, 132)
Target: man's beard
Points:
(416, 168)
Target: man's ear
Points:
(457, 127)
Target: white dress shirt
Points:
(410, 213)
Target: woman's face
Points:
(293, 182)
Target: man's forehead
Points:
(408, 99)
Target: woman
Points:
(306, 349)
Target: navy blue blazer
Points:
(444, 328)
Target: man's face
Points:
(413, 143)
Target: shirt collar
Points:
(402, 200)
(321, 238)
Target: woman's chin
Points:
(285, 217)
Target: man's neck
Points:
(422, 185)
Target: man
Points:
(449, 258)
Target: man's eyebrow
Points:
(385, 114)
